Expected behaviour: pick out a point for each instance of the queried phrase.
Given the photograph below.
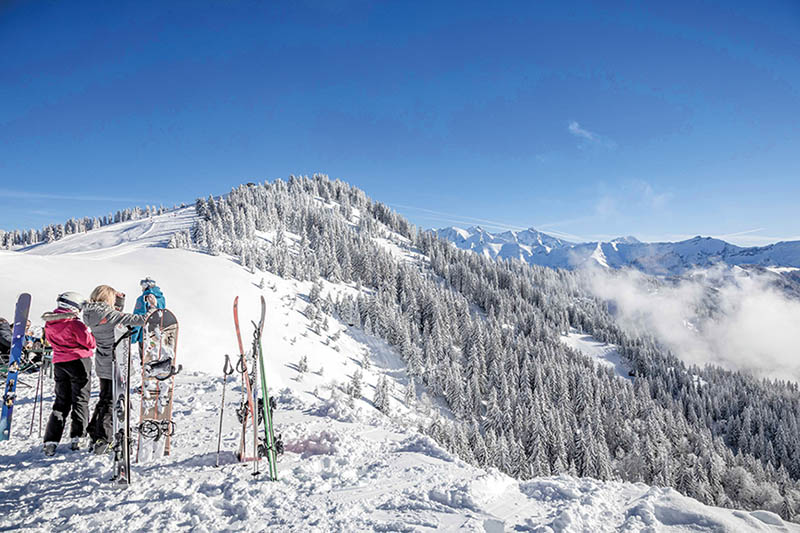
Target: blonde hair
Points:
(104, 293)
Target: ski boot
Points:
(101, 447)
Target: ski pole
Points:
(41, 397)
(47, 365)
(227, 370)
(41, 393)
(36, 398)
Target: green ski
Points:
(272, 447)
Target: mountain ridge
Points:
(658, 258)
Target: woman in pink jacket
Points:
(72, 344)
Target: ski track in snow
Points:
(345, 468)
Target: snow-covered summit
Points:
(522, 245)
(629, 239)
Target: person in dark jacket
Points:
(72, 344)
(5, 336)
(102, 317)
(151, 298)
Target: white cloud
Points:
(458, 219)
(747, 238)
(739, 233)
(606, 206)
(576, 130)
(593, 138)
(649, 197)
(742, 323)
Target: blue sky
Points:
(584, 119)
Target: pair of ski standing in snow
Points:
(74, 341)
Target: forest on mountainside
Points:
(484, 335)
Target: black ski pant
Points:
(73, 386)
(101, 425)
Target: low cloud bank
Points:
(733, 318)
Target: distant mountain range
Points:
(658, 258)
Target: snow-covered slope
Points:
(603, 353)
(343, 470)
(538, 248)
(199, 288)
(346, 468)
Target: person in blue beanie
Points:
(151, 298)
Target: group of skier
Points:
(81, 329)
(77, 330)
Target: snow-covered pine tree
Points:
(354, 388)
(382, 394)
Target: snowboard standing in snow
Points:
(17, 340)
(160, 346)
(121, 406)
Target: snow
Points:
(599, 257)
(347, 467)
(602, 353)
(658, 258)
(400, 249)
(147, 232)
(783, 270)
(199, 288)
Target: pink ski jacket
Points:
(69, 337)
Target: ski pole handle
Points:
(227, 368)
